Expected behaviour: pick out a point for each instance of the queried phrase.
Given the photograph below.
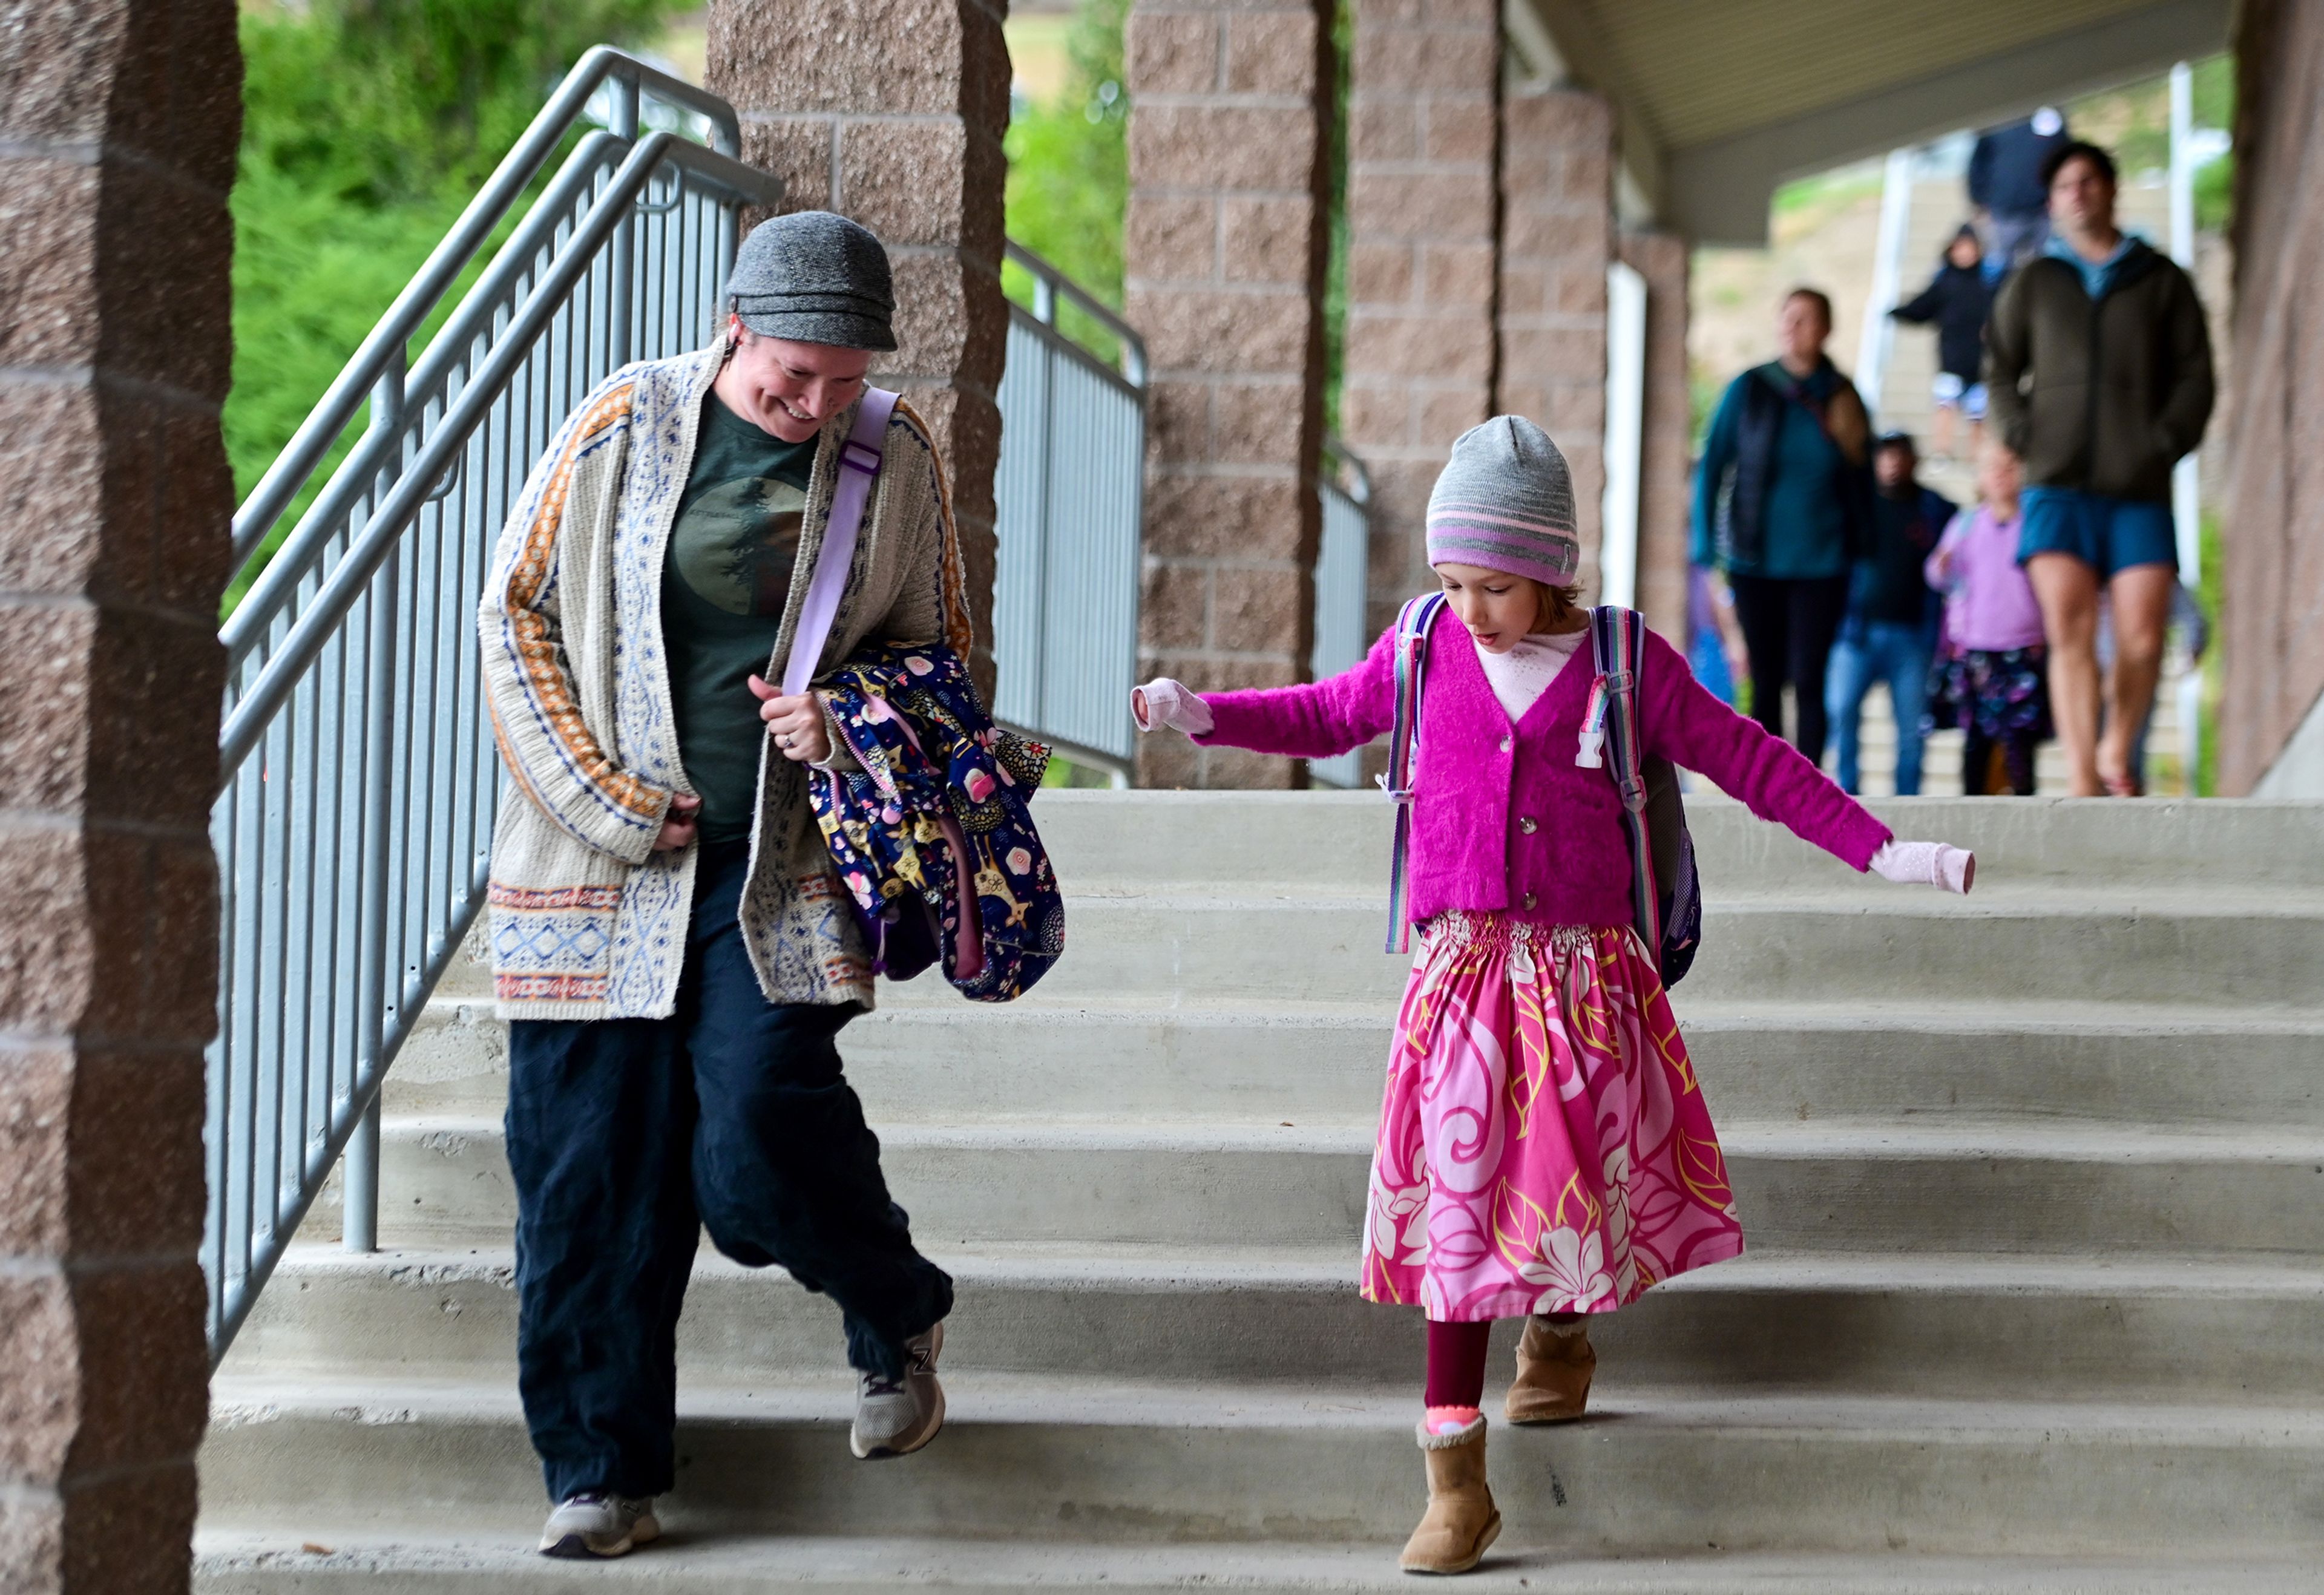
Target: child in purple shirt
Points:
(1992, 680)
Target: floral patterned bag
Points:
(932, 834)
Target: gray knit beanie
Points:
(815, 278)
(1505, 501)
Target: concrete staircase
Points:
(2035, 1299)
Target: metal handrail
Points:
(501, 191)
(358, 790)
(1344, 489)
(1342, 466)
(321, 615)
(1051, 284)
(1070, 497)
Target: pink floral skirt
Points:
(1543, 1145)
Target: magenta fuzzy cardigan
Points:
(1502, 816)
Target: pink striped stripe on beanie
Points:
(1505, 501)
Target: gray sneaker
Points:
(895, 1418)
(595, 1523)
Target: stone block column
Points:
(1423, 213)
(1225, 251)
(1666, 477)
(118, 125)
(1557, 238)
(892, 112)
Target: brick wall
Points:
(1557, 238)
(118, 123)
(1424, 216)
(2273, 612)
(1225, 249)
(892, 112)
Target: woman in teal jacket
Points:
(1780, 498)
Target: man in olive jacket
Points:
(2098, 370)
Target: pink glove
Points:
(1172, 704)
(1925, 863)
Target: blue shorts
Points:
(2107, 534)
(1961, 393)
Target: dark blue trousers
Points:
(628, 1137)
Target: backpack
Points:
(1669, 918)
(1654, 816)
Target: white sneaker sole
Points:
(576, 1547)
(905, 1446)
(929, 1425)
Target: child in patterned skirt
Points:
(1544, 1152)
(1993, 677)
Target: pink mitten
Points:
(1169, 703)
(1925, 863)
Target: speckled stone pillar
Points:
(1225, 251)
(119, 124)
(1424, 211)
(1557, 238)
(892, 112)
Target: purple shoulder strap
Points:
(858, 465)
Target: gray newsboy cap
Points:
(815, 278)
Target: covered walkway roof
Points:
(1720, 100)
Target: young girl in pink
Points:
(1544, 1152)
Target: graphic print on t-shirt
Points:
(736, 544)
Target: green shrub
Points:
(367, 125)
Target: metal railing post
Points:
(623, 308)
(359, 1215)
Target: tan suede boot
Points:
(1553, 1369)
(1462, 1520)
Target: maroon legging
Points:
(1456, 1363)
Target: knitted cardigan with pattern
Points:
(1502, 816)
(586, 921)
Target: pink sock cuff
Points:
(1449, 1420)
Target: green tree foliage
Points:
(367, 125)
(1069, 158)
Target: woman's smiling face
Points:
(790, 389)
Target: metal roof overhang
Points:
(1720, 100)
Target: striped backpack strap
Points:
(1617, 646)
(1403, 755)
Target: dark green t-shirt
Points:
(724, 586)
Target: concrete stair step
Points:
(1151, 841)
(1652, 1473)
(1333, 850)
(277, 1562)
(1871, 940)
(1932, 1324)
(1824, 1185)
(1267, 1061)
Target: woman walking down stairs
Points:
(2034, 1301)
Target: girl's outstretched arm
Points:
(1314, 720)
(1687, 725)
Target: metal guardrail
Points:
(1069, 497)
(359, 775)
(1343, 565)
